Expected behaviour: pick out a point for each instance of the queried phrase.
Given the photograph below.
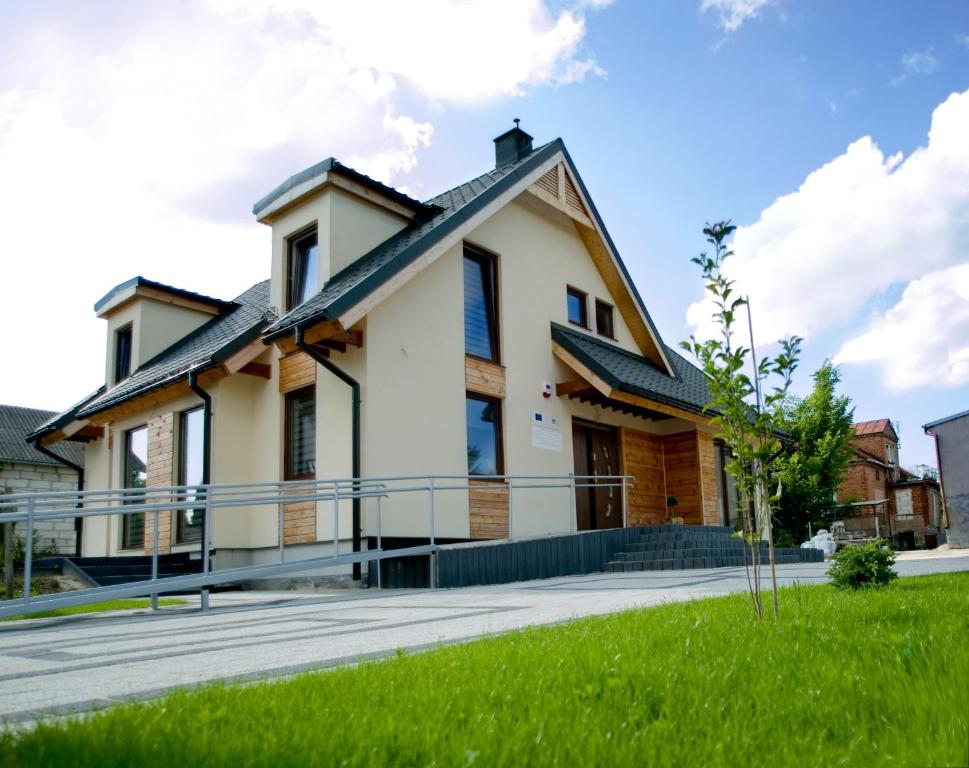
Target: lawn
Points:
(855, 679)
(110, 605)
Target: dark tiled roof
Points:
(210, 344)
(372, 270)
(332, 164)
(16, 424)
(632, 373)
(139, 280)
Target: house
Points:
(952, 449)
(886, 496)
(26, 469)
(492, 330)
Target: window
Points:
(890, 454)
(480, 306)
(303, 269)
(300, 459)
(578, 312)
(604, 319)
(191, 461)
(135, 476)
(484, 436)
(122, 354)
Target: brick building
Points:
(880, 489)
(23, 469)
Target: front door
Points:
(596, 453)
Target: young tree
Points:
(810, 471)
(750, 432)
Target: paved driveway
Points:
(59, 666)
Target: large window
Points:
(604, 325)
(122, 354)
(480, 305)
(303, 269)
(484, 436)
(191, 462)
(300, 459)
(135, 476)
(578, 312)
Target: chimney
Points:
(512, 146)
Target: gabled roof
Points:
(17, 424)
(875, 427)
(205, 347)
(632, 373)
(132, 285)
(364, 276)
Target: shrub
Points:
(869, 565)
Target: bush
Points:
(869, 565)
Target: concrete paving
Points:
(54, 667)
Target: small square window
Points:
(604, 319)
(577, 307)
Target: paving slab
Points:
(53, 667)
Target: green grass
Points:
(110, 605)
(858, 679)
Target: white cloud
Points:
(733, 13)
(921, 62)
(924, 339)
(134, 138)
(856, 226)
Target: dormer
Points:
(325, 218)
(144, 318)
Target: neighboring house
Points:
(952, 449)
(878, 486)
(23, 469)
(493, 330)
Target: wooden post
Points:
(8, 561)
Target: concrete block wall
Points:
(43, 478)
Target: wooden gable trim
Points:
(557, 189)
(151, 400)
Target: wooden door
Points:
(596, 452)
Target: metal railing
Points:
(216, 499)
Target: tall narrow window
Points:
(122, 353)
(304, 271)
(604, 319)
(191, 458)
(135, 476)
(300, 458)
(480, 306)
(484, 436)
(576, 304)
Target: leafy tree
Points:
(819, 428)
(751, 433)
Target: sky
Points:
(134, 138)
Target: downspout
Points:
(193, 384)
(78, 521)
(355, 438)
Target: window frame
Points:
(132, 498)
(181, 480)
(489, 259)
(124, 331)
(289, 398)
(292, 244)
(499, 431)
(612, 319)
(571, 290)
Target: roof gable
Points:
(874, 427)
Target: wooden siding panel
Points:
(550, 182)
(488, 510)
(572, 199)
(681, 461)
(708, 479)
(160, 474)
(484, 378)
(641, 455)
(296, 371)
(299, 522)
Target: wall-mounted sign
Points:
(545, 432)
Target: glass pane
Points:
(302, 435)
(604, 319)
(135, 476)
(482, 436)
(304, 270)
(576, 304)
(191, 458)
(122, 354)
(479, 309)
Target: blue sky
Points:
(135, 138)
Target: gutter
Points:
(78, 521)
(355, 439)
